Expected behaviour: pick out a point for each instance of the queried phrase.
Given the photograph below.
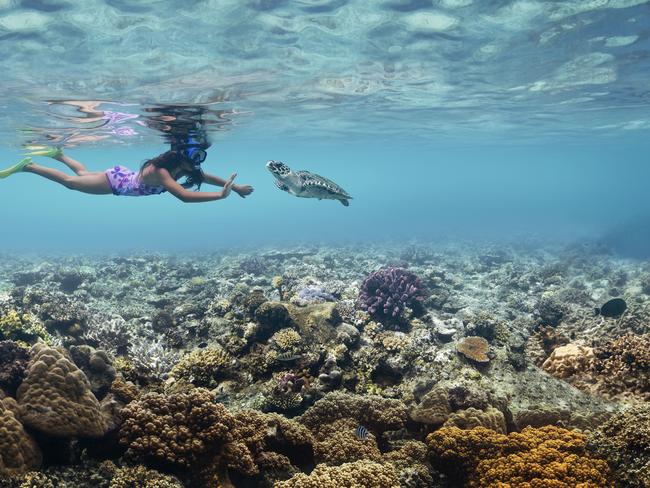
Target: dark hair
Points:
(172, 161)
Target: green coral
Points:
(22, 327)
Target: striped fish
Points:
(361, 433)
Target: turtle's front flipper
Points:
(281, 186)
(345, 203)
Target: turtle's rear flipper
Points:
(345, 203)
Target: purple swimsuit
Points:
(125, 182)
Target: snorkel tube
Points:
(192, 146)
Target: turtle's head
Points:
(278, 168)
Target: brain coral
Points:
(360, 474)
(18, 451)
(55, 397)
(624, 440)
(569, 360)
(474, 348)
(546, 456)
(386, 293)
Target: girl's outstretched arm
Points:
(241, 190)
(172, 186)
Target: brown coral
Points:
(337, 443)
(491, 418)
(376, 413)
(18, 451)
(623, 367)
(474, 348)
(179, 429)
(547, 456)
(624, 440)
(141, 477)
(360, 474)
(13, 362)
(55, 397)
(204, 367)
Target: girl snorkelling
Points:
(156, 175)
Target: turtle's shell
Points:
(317, 181)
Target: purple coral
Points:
(386, 293)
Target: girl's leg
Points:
(93, 183)
(74, 165)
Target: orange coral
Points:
(474, 348)
(546, 456)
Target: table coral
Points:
(19, 453)
(474, 348)
(360, 474)
(55, 397)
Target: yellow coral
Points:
(203, 367)
(16, 326)
(286, 339)
(546, 456)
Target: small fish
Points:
(613, 308)
(361, 433)
(288, 357)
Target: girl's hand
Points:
(227, 188)
(243, 190)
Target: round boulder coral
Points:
(55, 397)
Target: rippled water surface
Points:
(454, 68)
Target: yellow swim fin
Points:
(15, 168)
(39, 150)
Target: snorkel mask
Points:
(192, 146)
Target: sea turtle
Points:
(305, 184)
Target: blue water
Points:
(443, 119)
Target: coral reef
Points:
(13, 362)
(55, 397)
(474, 348)
(359, 474)
(19, 453)
(387, 293)
(203, 367)
(624, 440)
(547, 456)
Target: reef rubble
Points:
(332, 366)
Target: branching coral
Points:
(387, 293)
(336, 443)
(18, 451)
(204, 367)
(624, 440)
(55, 397)
(13, 361)
(141, 477)
(623, 366)
(360, 474)
(546, 456)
